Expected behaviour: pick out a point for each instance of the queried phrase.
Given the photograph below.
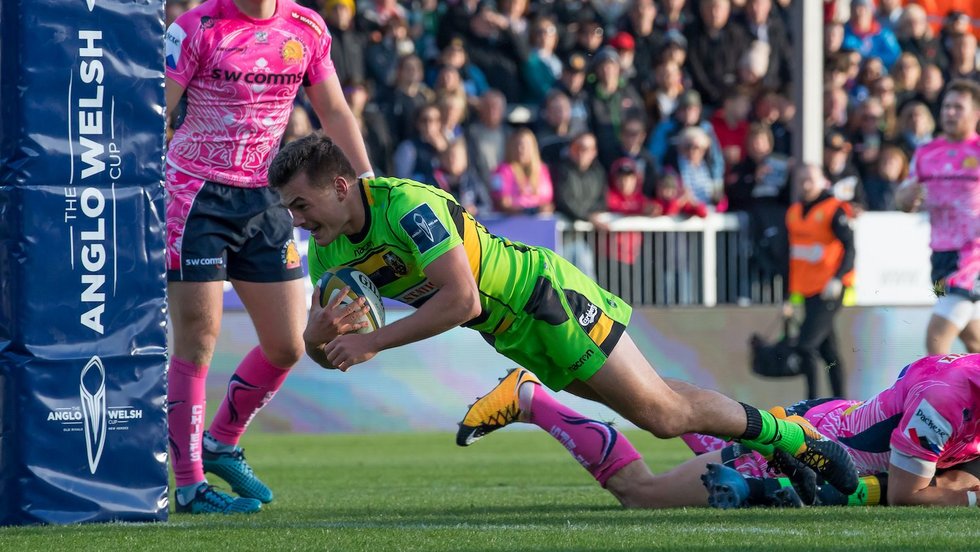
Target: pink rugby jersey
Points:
(929, 418)
(241, 76)
(950, 173)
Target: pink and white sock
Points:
(252, 386)
(700, 443)
(597, 446)
(185, 418)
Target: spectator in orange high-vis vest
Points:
(821, 265)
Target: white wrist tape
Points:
(971, 498)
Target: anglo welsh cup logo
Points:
(94, 410)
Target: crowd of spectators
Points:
(535, 107)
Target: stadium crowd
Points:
(673, 107)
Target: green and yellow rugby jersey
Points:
(407, 226)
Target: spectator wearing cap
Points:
(522, 183)
(487, 136)
(373, 125)
(962, 58)
(762, 25)
(690, 162)
(553, 128)
(915, 37)
(625, 47)
(675, 48)
(864, 34)
(840, 172)
(663, 143)
(542, 69)
(589, 34)
(955, 23)
(611, 101)
(672, 17)
(639, 23)
(632, 137)
(498, 50)
(406, 98)
(347, 45)
(714, 46)
(572, 84)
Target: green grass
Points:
(514, 491)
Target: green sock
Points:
(870, 492)
(762, 429)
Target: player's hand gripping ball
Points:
(336, 279)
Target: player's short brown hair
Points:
(316, 156)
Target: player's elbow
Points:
(470, 306)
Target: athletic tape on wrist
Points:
(971, 498)
(366, 174)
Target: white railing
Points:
(709, 261)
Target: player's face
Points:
(320, 210)
(959, 115)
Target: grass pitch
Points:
(513, 491)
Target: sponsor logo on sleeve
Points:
(312, 24)
(424, 227)
(175, 37)
(929, 428)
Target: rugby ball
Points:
(336, 279)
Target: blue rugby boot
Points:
(726, 487)
(232, 467)
(209, 500)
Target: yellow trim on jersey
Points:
(373, 263)
(601, 329)
(471, 244)
(366, 184)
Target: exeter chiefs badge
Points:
(395, 263)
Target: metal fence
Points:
(668, 261)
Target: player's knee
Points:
(662, 424)
(285, 356)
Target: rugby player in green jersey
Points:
(419, 246)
